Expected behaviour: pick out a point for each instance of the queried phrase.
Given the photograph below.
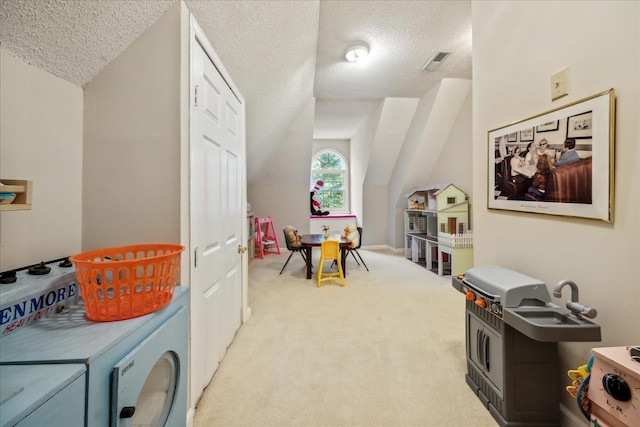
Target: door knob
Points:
(242, 249)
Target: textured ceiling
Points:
(281, 54)
(74, 39)
(402, 36)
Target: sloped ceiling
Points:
(281, 54)
(74, 40)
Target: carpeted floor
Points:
(386, 350)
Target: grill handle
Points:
(479, 341)
(492, 297)
(482, 349)
(487, 365)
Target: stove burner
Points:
(66, 263)
(39, 269)
(8, 277)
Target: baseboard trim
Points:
(190, 414)
(383, 248)
(569, 419)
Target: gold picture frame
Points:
(578, 184)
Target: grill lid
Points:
(509, 287)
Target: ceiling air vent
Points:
(435, 61)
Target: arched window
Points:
(331, 168)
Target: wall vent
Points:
(435, 61)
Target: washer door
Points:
(146, 381)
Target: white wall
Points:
(132, 142)
(517, 46)
(287, 205)
(375, 215)
(433, 123)
(393, 121)
(392, 127)
(41, 141)
(283, 189)
(361, 148)
(455, 162)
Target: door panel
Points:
(212, 196)
(213, 346)
(474, 338)
(485, 350)
(493, 348)
(233, 298)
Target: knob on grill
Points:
(8, 277)
(66, 263)
(39, 269)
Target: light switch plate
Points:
(560, 84)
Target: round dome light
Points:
(356, 53)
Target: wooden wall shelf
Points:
(23, 190)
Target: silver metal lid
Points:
(509, 287)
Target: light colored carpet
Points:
(386, 350)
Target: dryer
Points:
(133, 372)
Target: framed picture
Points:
(578, 179)
(512, 137)
(579, 126)
(548, 127)
(526, 135)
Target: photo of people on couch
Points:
(549, 162)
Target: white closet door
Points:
(217, 218)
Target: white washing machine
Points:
(71, 371)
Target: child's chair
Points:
(329, 251)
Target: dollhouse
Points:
(436, 229)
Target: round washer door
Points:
(156, 397)
(147, 380)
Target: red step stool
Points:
(266, 240)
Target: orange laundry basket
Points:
(124, 282)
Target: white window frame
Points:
(345, 180)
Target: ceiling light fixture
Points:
(356, 53)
